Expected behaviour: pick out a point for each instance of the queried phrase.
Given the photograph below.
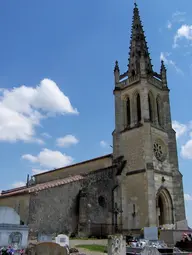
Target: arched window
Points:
(151, 107)
(101, 201)
(138, 108)
(159, 111)
(128, 111)
(133, 72)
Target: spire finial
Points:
(163, 73)
(116, 66)
(138, 46)
(163, 65)
(116, 72)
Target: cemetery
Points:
(15, 239)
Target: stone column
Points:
(116, 245)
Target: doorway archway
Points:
(164, 207)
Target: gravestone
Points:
(62, 240)
(150, 251)
(11, 232)
(116, 245)
(15, 239)
(182, 225)
(44, 238)
(47, 248)
(151, 233)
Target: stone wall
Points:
(158, 165)
(169, 170)
(55, 210)
(135, 201)
(96, 202)
(178, 194)
(69, 208)
(132, 148)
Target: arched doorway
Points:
(164, 207)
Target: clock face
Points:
(159, 150)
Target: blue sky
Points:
(56, 79)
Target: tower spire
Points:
(139, 55)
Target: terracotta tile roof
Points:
(14, 192)
(42, 186)
(55, 183)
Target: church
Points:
(136, 186)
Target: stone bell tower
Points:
(151, 184)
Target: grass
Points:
(93, 247)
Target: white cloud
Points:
(46, 135)
(30, 157)
(177, 17)
(50, 98)
(179, 128)
(67, 141)
(184, 129)
(169, 24)
(165, 57)
(18, 184)
(22, 108)
(50, 159)
(15, 126)
(104, 144)
(188, 197)
(37, 140)
(184, 32)
(186, 150)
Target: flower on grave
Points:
(10, 251)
